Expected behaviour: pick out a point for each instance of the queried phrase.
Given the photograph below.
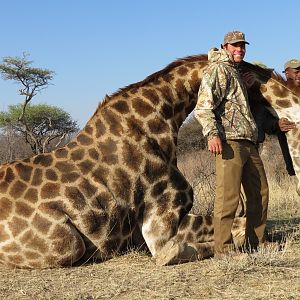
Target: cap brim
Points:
(296, 66)
(237, 41)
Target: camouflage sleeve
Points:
(211, 93)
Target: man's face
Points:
(294, 75)
(238, 50)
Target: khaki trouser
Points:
(240, 163)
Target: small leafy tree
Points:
(38, 124)
(32, 80)
(45, 124)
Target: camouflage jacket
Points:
(222, 107)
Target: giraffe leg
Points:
(193, 238)
(176, 252)
(193, 241)
(66, 246)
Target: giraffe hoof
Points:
(168, 254)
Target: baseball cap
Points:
(234, 37)
(293, 63)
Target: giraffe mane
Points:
(178, 62)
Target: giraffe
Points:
(116, 185)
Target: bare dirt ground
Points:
(268, 274)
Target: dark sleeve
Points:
(271, 125)
(286, 153)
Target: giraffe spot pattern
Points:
(154, 171)
(4, 236)
(37, 243)
(94, 222)
(51, 175)
(121, 106)
(17, 189)
(16, 225)
(135, 129)
(284, 103)
(89, 129)
(167, 111)
(100, 128)
(44, 160)
(87, 188)
(32, 255)
(61, 153)
(77, 154)
(84, 139)
(24, 171)
(23, 209)
(182, 71)
(158, 126)
(15, 259)
(76, 197)
(114, 122)
(65, 166)
(41, 224)
(72, 145)
(122, 184)
(159, 188)
(9, 176)
(3, 187)
(12, 247)
(100, 175)
(131, 155)
(93, 153)
(142, 107)
(86, 166)
(37, 177)
(69, 177)
(5, 208)
(50, 190)
(151, 95)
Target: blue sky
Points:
(96, 47)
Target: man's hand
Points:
(286, 125)
(215, 145)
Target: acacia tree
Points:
(46, 126)
(33, 80)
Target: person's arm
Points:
(210, 95)
(273, 125)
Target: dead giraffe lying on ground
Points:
(115, 186)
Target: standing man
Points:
(292, 71)
(224, 113)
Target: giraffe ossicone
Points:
(117, 185)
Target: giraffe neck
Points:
(284, 100)
(164, 99)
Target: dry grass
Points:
(267, 274)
